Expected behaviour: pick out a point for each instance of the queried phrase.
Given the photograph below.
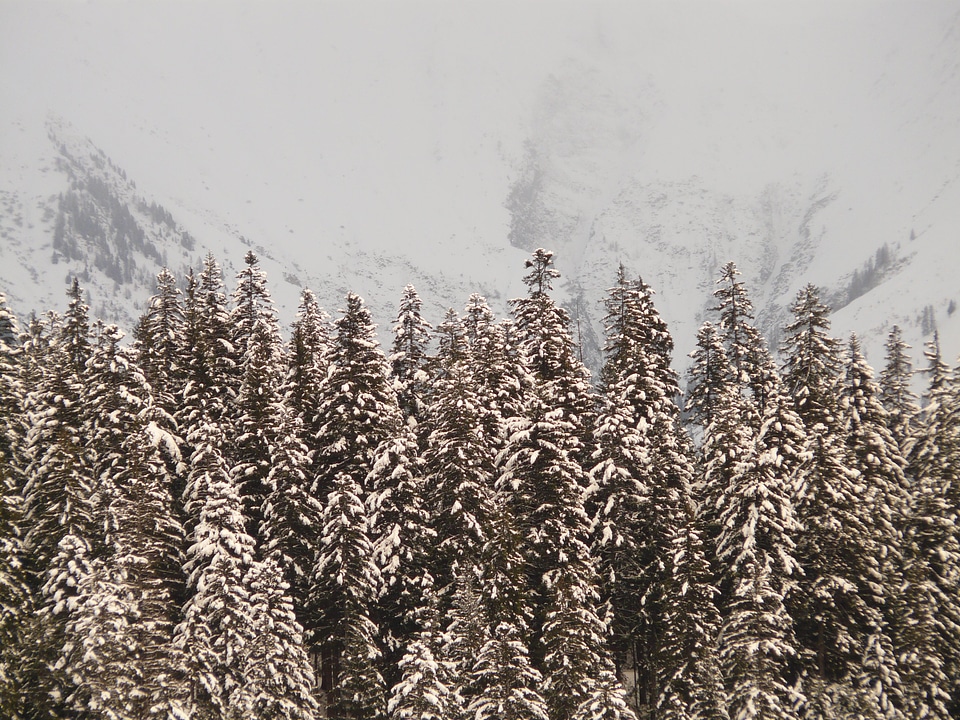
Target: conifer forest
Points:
(211, 519)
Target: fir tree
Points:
(708, 376)
(644, 477)
(895, 392)
(358, 412)
(308, 356)
(543, 336)
(500, 376)
(756, 550)
(60, 499)
(875, 454)
(345, 580)
(218, 622)
(292, 513)
(404, 542)
(278, 678)
(934, 466)
(161, 345)
(503, 682)
(14, 593)
(256, 339)
(812, 371)
(746, 350)
(543, 484)
(408, 356)
(457, 463)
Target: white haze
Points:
(337, 132)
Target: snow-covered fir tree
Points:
(256, 339)
(458, 464)
(409, 355)
(218, 618)
(895, 388)
(404, 543)
(60, 499)
(708, 375)
(875, 454)
(345, 584)
(746, 349)
(14, 593)
(544, 486)
(278, 677)
(756, 552)
(543, 336)
(933, 455)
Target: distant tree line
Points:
(213, 523)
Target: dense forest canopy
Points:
(214, 522)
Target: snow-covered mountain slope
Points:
(363, 146)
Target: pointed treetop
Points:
(542, 272)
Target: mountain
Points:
(364, 146)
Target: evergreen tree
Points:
(408, 356)
(500, 376)
(812, 370)
(457, 463)
(746, 349)
(292, 513)
(875, 454)
(503, 683)
(345, 580)
(690, 681)
(543, 336)
(218, 618)
(60, 499)
(161, 345)
(756, 549)
(404, 542)
(211, 375)
(708, 375)
(423, 690)
(162, 355)
(256, 339)
(14, 593)
(279, 682)
(921, 652)
(934, 466)
(308, 356)
(358, 409)
(895, 392)
(643, 480)
(124, 664)
(543, 484)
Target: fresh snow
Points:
(374, 144)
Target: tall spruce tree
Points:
(256, 339)
(404, 542)
(457, 462)
(756, 550)
(543, 335)
(708, 376)
(279, 681)
(408, 356)
(358, 412)
(14, 592)
(218, 618)
(895, 388)
(746, 350)
(61, 504)
(934, 467)
(875, 454)
(543, 483)
(641, 491)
